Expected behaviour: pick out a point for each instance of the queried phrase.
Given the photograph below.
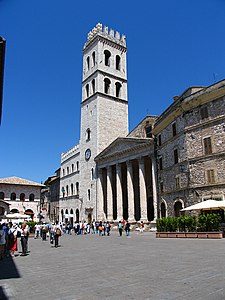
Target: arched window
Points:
(118, 89)
(87, 90)
(71, 211)
(72, 167)
(93, 86)
(118, 62)
(88, 63)
(177, 208)
(66, 212)
(13, 196)
(31, 197)
(107, 58)
(88, 134)
(163, 210)
(68, 170)
(77, 165)
(2, 196)
(63, 191)
(71, 189)
(93, 58)
(89, 195)
(62, 215)
(77, 188)
(67, 190)
(22, 197)
(107, 85)
(63, 172)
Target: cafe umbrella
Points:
(206, 205)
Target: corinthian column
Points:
(119, 195)
(109, 194)
(142, 187)
(130, 192)
(100, 211)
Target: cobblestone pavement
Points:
(139, 267)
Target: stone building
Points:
(49, 206)
(164, 164)
(190, 137)
(21, 195)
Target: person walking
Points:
(57, 233)
(2, 241)
(120, 228)
(127, 228)
(44, 232)
(12, 239)
(23, 239)
(141, 227)
(108, 228)
(100, 228)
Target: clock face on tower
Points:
(87, 154)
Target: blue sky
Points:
(171, 45)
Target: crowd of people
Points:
(10, 233)
(101, 228)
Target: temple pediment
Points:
(124, 145)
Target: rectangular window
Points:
(207, 145)
(160, 163)
(211, 176)
(174, 128)
(204, 112)
(148, 131)
(175, 154)
(159, 140)
(177, 182)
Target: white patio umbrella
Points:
(206, 205)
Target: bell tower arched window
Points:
(107, 58)
(93, 86)
(118, 59)
(118, 89)
(88, 134)
(93, 58)
(107, 85)
(88, 63)
(87, 90)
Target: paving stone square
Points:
(94, 267)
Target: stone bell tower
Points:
(104, 106)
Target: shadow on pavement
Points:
(8, 269)
(2, 294)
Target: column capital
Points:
(141, 160)
(109, 169)
(129, 163)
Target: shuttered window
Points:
(207, 145)
(211, 176)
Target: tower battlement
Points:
(111, 35)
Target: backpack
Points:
(11, 236)
(58, 231)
